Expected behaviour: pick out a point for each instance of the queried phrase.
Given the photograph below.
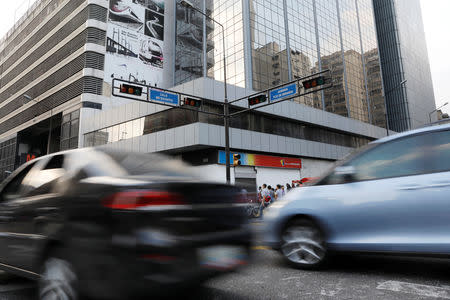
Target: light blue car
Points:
(392, 197)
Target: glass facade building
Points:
(271, 42)
(252, 121)
(404, 57)
(196, 59)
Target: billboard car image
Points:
(135, 41)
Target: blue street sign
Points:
(164, 97)
(283, 92)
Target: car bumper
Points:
(146, 269)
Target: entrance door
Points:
(245, 178)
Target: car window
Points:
(403, 157)
(13, 188)
(438, 152)
(45, 178)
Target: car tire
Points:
(59, 280)
(303, 245)
(256, 212)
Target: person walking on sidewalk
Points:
(278, 193)
(272, 194)
(265, 199)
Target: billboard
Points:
(135, 41)
(258, 160)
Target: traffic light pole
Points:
(327, 85)
(184, 107)
(226, 112)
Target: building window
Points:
(69, 130)
(252, 121)
(7, 158)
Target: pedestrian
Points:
(259, 194)
(282, 189)
(272, 194)
(265, 199)
(288, 187)
(278, 193)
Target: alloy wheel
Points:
(58, 280)
(303, 245)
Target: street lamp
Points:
(385, 104)
(188, 4)
(29, 98)
(429, 115)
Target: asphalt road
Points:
(347, 277)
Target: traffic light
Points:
(312, 83)
(236, 159)
(257, 99)
(192, 102)
(131, 89)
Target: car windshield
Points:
(137, 164)
(346, 160)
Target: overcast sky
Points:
(436, 21)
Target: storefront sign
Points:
(257, 160)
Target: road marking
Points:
(16, 287)
(417, 289)
(260, 248)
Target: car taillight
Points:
(132, 200)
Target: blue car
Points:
(392, 197)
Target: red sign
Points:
(30, 157)
(257, 160)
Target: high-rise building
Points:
(270, 42)
(50, 63)
(404, 56)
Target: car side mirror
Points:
(345, 174)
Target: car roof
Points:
(412, 132)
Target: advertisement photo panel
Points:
(154, 25)
(133, 51)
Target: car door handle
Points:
(411, 187)
(47, 209)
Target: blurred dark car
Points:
(117, 225)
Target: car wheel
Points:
(303, 245)
(58, 280)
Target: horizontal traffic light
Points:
(315, 82)
(131, 89)
(192, 102)
(257, 99)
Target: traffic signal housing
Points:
(257, 99)
(236, 159)
(314, 82)
(131, 89)
(192, 102)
